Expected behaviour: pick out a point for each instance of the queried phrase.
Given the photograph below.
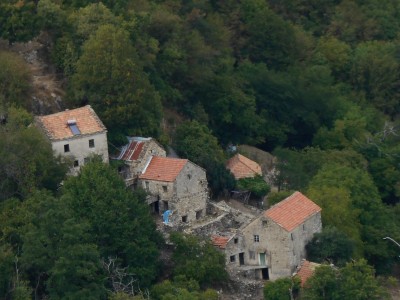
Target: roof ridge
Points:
(248, 159)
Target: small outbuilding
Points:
(243, 167)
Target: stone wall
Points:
(79, 148)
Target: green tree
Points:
(198, 260)
(14, 81)
(341, 189)
(109, 76)
(282, 289)
(330, 245)
(119, 220)
(354, 281)
(256, 185)
(26, 158)
(19, 21)
(375, 73)
(196, 142)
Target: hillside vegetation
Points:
(316, 83)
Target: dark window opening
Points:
(241, 258)
(232, 258)
(199, 214)
(76, 163)
(184, 219)
(265, 273)
(66, 148)
(91, 143)
(165, 188)
(236, 240)
(165, 204)
(256, 238)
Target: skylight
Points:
(74, 128)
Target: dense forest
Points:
(316, 83)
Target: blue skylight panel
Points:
(75, 130)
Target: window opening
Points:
(66, 148)
(91, 143)
(256, 238)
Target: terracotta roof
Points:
(163, 168)
(243, 167)
(306, 270)
(292, 211)
(220, 241)
(56, 125)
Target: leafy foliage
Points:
(256, 185)
(354, 281)
(14, 81)
(197, 260)
(282, 289)
(330, 245)
(196, 142)
(26, 158)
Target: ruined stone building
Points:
(75, 134)
(177, 185)
(136, 155)
(273, 244)
(243, 167)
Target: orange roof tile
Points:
(163, 168)
(220, 241)
(292, 211)
(243, 167)
(306, 270)
(56, 128)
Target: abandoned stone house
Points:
(177, 185)
(242, 167)
(75, 134)
(273, 244)
(136, 155)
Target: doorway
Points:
(265, 273)
(241, 258)
(262, 259)
(155, 207)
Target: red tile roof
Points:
(133, 150)
(243, 167)
(306, 270)
(163, 168)
(220, 241)
(292, 211)
(56, 128)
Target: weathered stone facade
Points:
(184, 192)
(136, 155)
(273, 244)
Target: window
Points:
(291, 236)
(76, 163)
(252, 255)
(66, 148)
(184, 219)
(264, 223)
(165, 188)
(304, 227)
(189, 176)
(199, 214)
(147, 185)
(91, 143)
(236, 240)
(232, 258)
(256, 238)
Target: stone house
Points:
(136, 155)
(243, 167)
(75, 134)
(177, 185)
(273, 244)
